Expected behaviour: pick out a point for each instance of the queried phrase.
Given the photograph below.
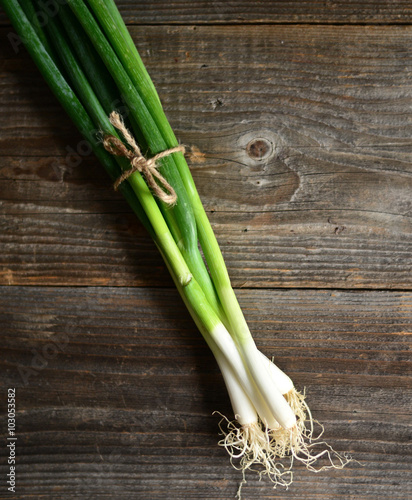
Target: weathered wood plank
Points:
(119, 398)
(121, 405)
(335, 87)
(262, 12)
(97, 249)
(329, 206)
(266, 11)
(113, 249)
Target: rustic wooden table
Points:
(302, 114)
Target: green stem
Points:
(179, 218)
(116, 31)
(33, 16)
(67, 98)
(95, 71)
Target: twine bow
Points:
(155, 180)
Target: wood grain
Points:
(261, 12)
(301, 114)
(266, 11)
(329, 206)
(123, 405)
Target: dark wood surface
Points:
(115, 387)
(263, 11)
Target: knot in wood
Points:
(259, 149)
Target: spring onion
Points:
(87, 56)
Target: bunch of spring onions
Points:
(86, 55)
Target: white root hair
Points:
(300, 443)
(250, 444)
(252, 447)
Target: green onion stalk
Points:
(86, 55)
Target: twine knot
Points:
(155, 180)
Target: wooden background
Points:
(303, 111)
